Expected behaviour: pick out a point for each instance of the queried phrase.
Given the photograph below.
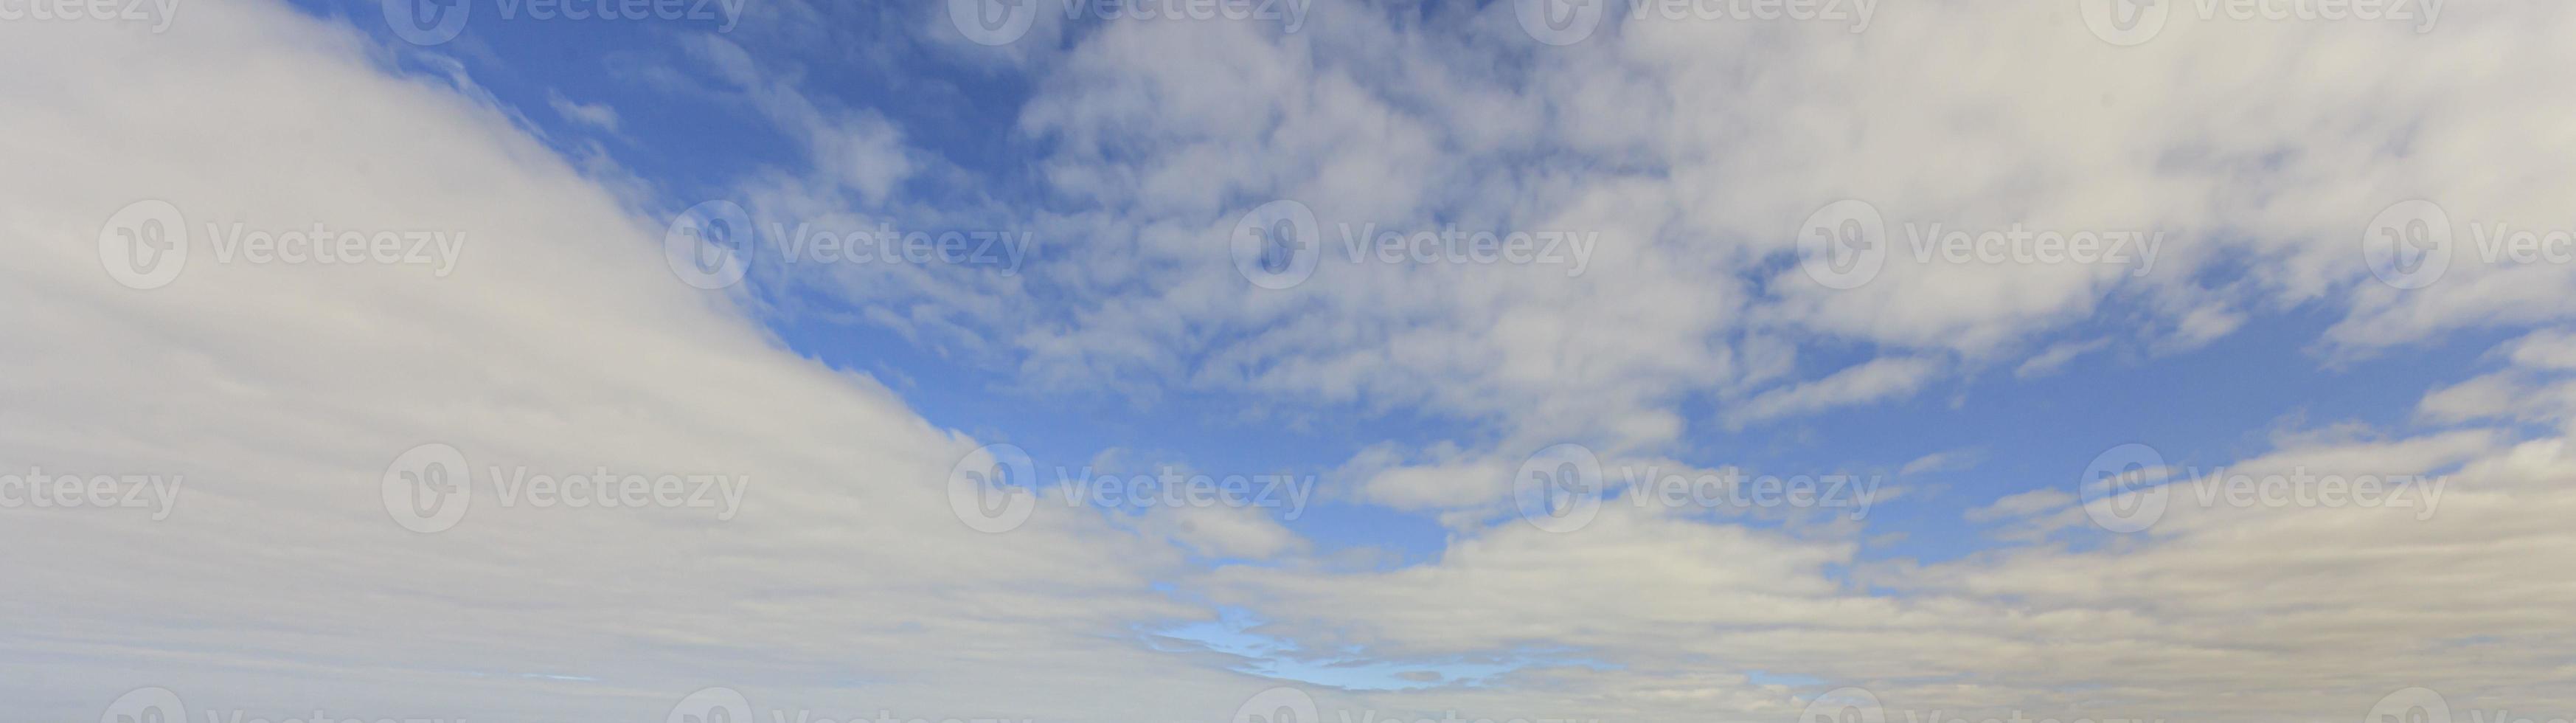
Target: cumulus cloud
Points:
(559, 343)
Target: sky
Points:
(1287, 361)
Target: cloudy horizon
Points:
(1287, 361)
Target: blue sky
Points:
(2003, 434)
(1997, 432)
(2008, 434)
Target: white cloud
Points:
(595, 115)
(1871, 381)
(2017, 505)
(2054, 358)
(560, 341)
